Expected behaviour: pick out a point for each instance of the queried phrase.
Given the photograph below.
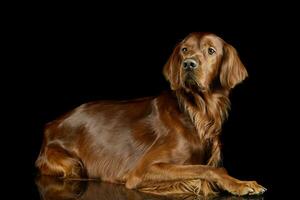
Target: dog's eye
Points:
(211, 51)
(184, 49)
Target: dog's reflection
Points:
(51, 188)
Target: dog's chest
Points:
(200, 152)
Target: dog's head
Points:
(201, 60)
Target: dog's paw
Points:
(246, 188)
(133, 182)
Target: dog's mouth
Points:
(189, 80)
(191, 83)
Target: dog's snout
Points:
(190, 63)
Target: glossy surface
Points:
(51, 188)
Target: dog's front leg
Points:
(164, 172)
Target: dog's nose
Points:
(190, 63)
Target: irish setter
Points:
(167, 144)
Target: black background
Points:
(66, 57)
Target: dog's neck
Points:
(207, 110)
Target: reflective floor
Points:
(51, 188)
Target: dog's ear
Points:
(171, 69)
(232, 69)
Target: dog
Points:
(164, 145)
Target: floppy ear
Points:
(171, 69)
(232, 70)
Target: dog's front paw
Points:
(241, 188)
(133, 182)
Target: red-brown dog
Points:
(165, 145)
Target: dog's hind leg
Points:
(56, 161)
